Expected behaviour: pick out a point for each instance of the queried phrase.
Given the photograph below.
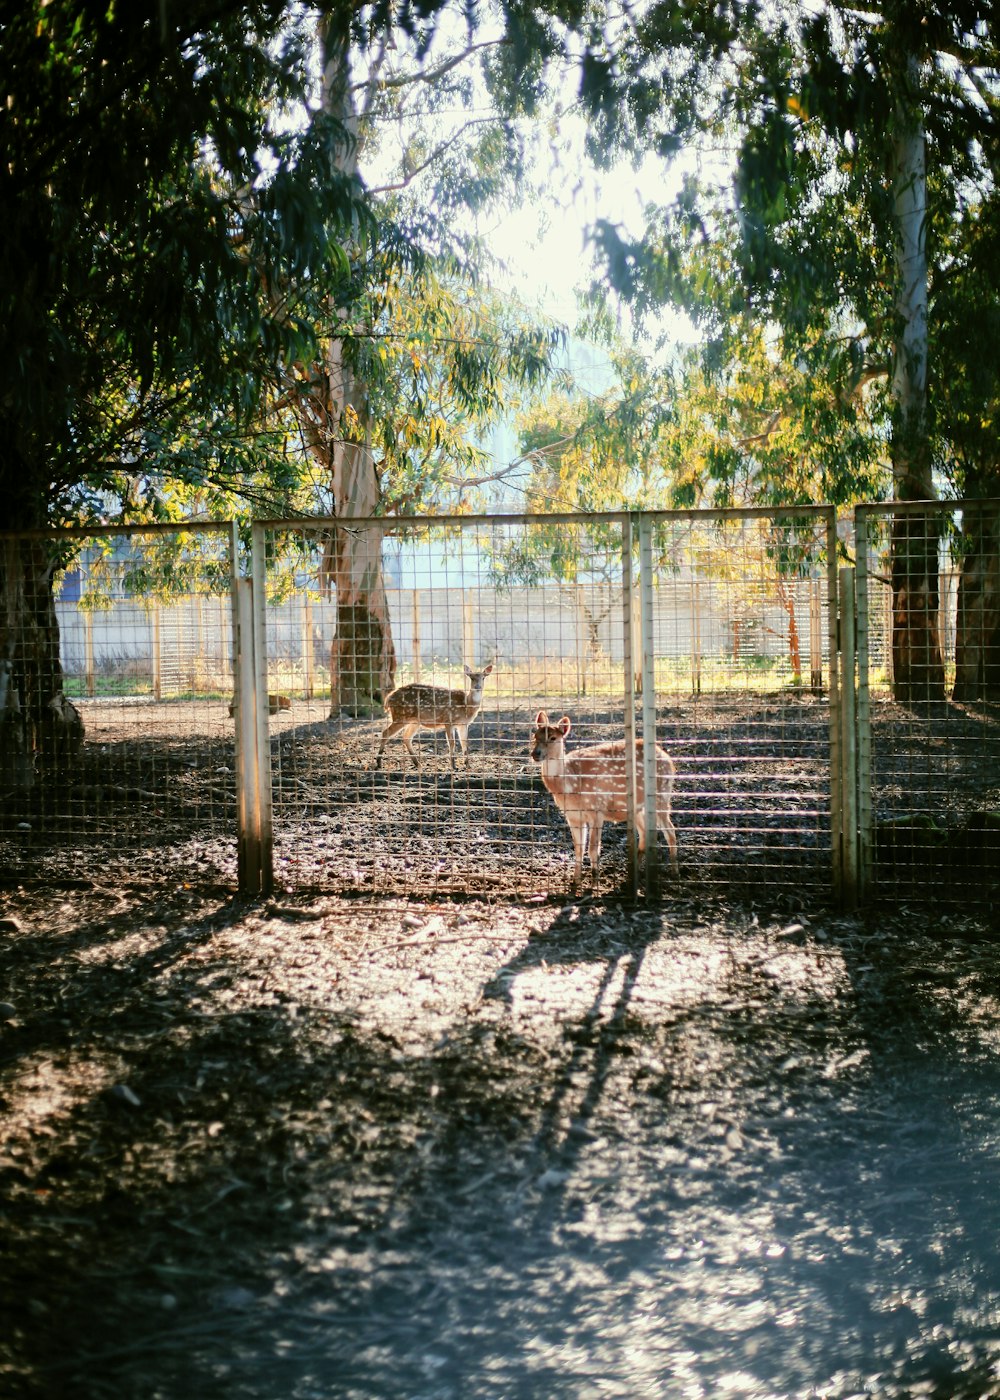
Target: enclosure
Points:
(203, 672)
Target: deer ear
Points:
(565, 725)
(487, 669)
(541, 720)
(467, 671)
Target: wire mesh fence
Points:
(738, 656)
(117, 751)
(929, 699)
(741, 635)
(159, 712)
(416, 607)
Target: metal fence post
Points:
(863, 775)
(648, 664)
(815, 638)
(849, 742)
(415, 605)
(629, 668)
(308, 648)
(836, 731)
(261, 731)
(158, 653)
(695, 637)
(253, 779)
(88, 652)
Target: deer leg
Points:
(462, 736)
(409, 729)
(596, 827)
(393, 727)
(670, 833)
(578, 832)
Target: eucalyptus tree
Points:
(838, 146)
(757, 430)
(965, 332)
(144, 151)
(185, 236)
(421, 355)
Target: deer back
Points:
(592, 780)
(430, 704)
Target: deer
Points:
(274, 704)
(412, 707)
(588, 786)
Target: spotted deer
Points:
(412, 707)
(588, 785)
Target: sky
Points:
(545, 244)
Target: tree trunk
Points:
(362, 655)
(977, 635)
(40, 730)
(918, 670)
(786, 598)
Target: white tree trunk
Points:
(362, 657)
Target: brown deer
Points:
(412, 707)
(588, 786)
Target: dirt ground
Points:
(154, 787)
(319, 1146)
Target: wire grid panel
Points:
(929, 698)
(742, 628)
(542, 602)
(145, 654)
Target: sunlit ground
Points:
(488, 1151)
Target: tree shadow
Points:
(594, 1037)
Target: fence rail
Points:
(231, 703)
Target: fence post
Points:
(253, 777)
(849, 742)
(636, 645)
(815, 638)
(648, 665)
(157, 655)
(415, 603)
(629, 668)
(866, 826)
(308, 648)
(582, 641)
(88, 652)
(469, 635)
(695, 636)
(835, 735)
(258, 558)
(221, 654)
(198, 660)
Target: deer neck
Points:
(554, 766)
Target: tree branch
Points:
(431, 75)
(435, 155)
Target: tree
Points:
(186, 240)
(756, 431)
(858, 135)
(145, 151)
(424, 357)
(967, 324)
